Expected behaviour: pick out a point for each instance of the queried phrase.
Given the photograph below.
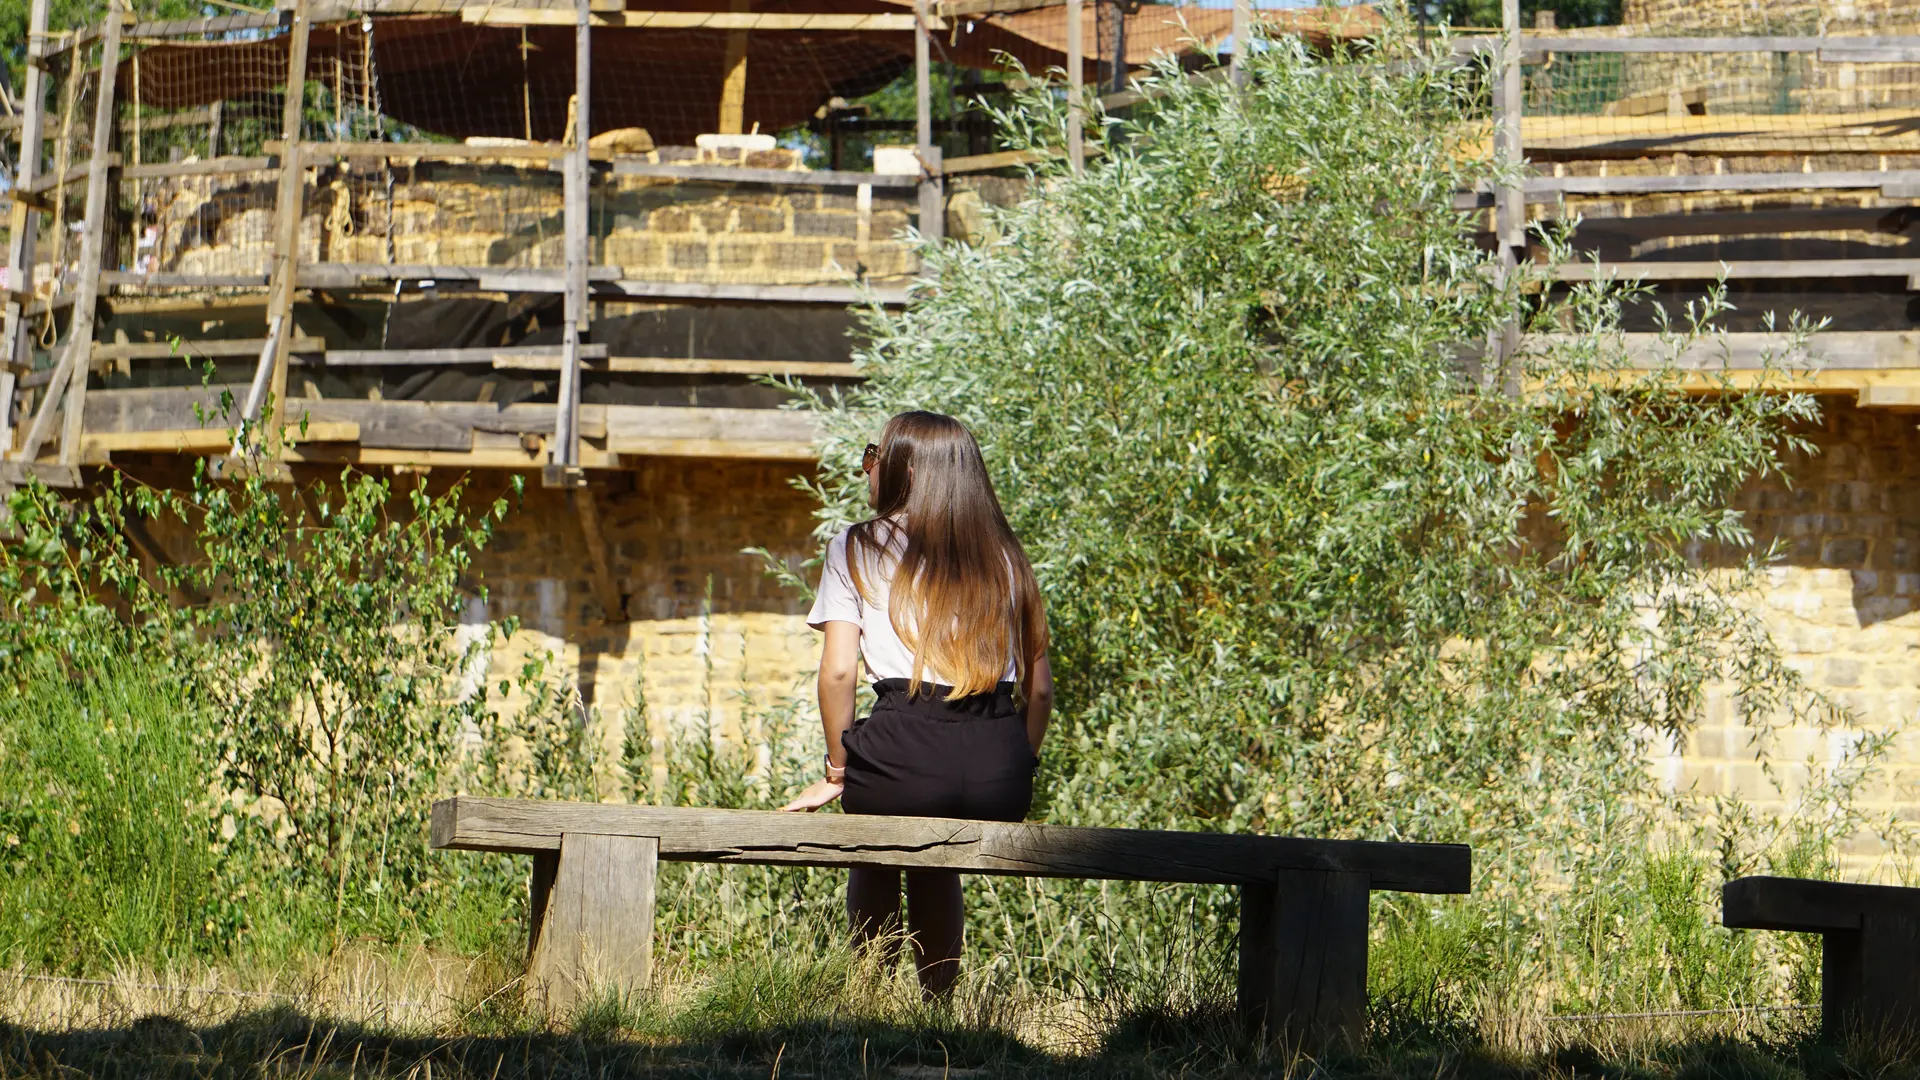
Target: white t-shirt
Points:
(887, 657)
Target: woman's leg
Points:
(938, 918)
(873, 904)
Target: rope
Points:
(62, 158)
(1589, 1017)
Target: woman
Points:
(936, 595)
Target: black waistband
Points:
(932, 699)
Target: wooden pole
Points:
(566, 422)
(1242, 30)
(15, 348)
(287, 209)
(71, 374)
(733, 86)
(1510, 206)
(933, 204)
(1076, 62)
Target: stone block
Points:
(1848, 551)
(814, 223)
(761, 219)
(689, 256)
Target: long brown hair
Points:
(963, 594)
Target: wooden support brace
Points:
(1870, 978)
(592, 918)
(21, 226)
(613, 606)
(71, 373)
(1303, 957)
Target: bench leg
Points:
(595, 928)
(1303, 958)
(1870, 978)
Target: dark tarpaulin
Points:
(457, 79)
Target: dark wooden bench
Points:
(1869, 948)
(1303, 903)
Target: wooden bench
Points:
(1869, 949)
(1303, 903)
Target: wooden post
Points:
(1303, 957)
(595, 929)
(1869, 980)
(566, 422)
(733, 86)
(1242, 30)
(1076, 92)
(1510, 207)
(15, 350)
(933, 203)
(71, 374)
(286, 234)
(612, 606)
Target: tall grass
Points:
(105, 820)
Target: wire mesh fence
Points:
(1628, 97)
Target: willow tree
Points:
(1314, 562)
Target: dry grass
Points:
(378, 1013)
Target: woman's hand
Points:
(818, 794)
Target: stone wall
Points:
(1844, 603)
(499, 214)
(707, 635)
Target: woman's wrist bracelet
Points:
(835, 773)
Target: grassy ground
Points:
(417, 1015)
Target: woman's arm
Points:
(839, 672)
(1038, 690)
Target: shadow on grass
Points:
(1201, 1042)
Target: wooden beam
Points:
(124, 279)
(1076, 93)
(415, 151)
(1740, 269)
(168, 350)
(51, 473)
(739, 21)
(837, 295)
(72, 176)
(606, 589)
(762, 837)
(156, 122)
(630, 166)
(667, 365)
(733, 76)
(514, 357)
(1539, 188)
(1010, 849)
(14, 343)
(578, 252)
(219, 166)
(209, 440)
(286, 243)
(71, 373)
(959, 8)
(217, 24)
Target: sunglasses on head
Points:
(869, 458)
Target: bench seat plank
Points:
(1777, 903)
(524, 826)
